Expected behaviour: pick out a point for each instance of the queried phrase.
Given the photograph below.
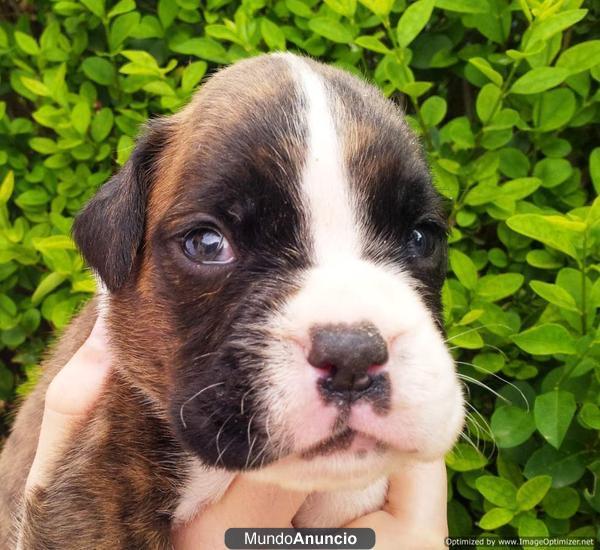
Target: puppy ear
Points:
(109, 230)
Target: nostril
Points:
(375, 369)
(327, 370)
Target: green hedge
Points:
(505, 96)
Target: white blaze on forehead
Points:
(333, 222)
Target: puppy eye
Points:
(420, 243)
(206, 245)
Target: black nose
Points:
(346, 353)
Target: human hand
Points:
(414, 515)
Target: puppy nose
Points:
(346, 353)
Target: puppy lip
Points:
(343, 442)
(351, 442)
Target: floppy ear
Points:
(109, 230)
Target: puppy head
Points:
(274, 255)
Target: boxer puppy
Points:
(271, 260)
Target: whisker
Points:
(486, 428)
(223, 451)
(242, 402)
(487, 325)
(469, 440)
(508, 382)
(192, 398)
(250, 445)
(264, 446)
(472, 426)
(481, 384)
(219, 435)
(250, 452)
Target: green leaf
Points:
(511, 426)
(513, 162)
(35, 86)
(564, 468)
(95, 6)
(32, 198)
(539, 80)
(123, 6)
(546, 28)
(54, 242)
(464, 458)
(589, 415)
(554, 294)
(193, 74)
(580, 57)
(299, 8)
(557, 232)
(6, 187)
(496, 287)
(553, 412)
(553, 172)
(331, 29)
(205, 48)
(8, 312)
(167, 12)
(121, 29)
(27, 43)
(533, 491)
(142, 63)
(464, 268)
(496, 517)
(413, 21)
(463, 6)
(520, 188)
(102, 124)
(497, 490)
(554, 109)
(415, 89)
(371, 43)
(531, 527)
(343, 7)
(546, 339)
(87, 285)
(223, 32)
(46, 285)
(99, 70)
(272, 34)
(379, 7)
(467, 339)
(80, 117)
(488, 101)
(124, 149)
(561, 503)
(595, 168)
(483, 66)
(433, 110)
(45, 146)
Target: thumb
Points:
(417, 497)
(69, 398)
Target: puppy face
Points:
(274, 255)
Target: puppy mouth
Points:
(346, 441)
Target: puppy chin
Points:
(363, 461)
(329, 473)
